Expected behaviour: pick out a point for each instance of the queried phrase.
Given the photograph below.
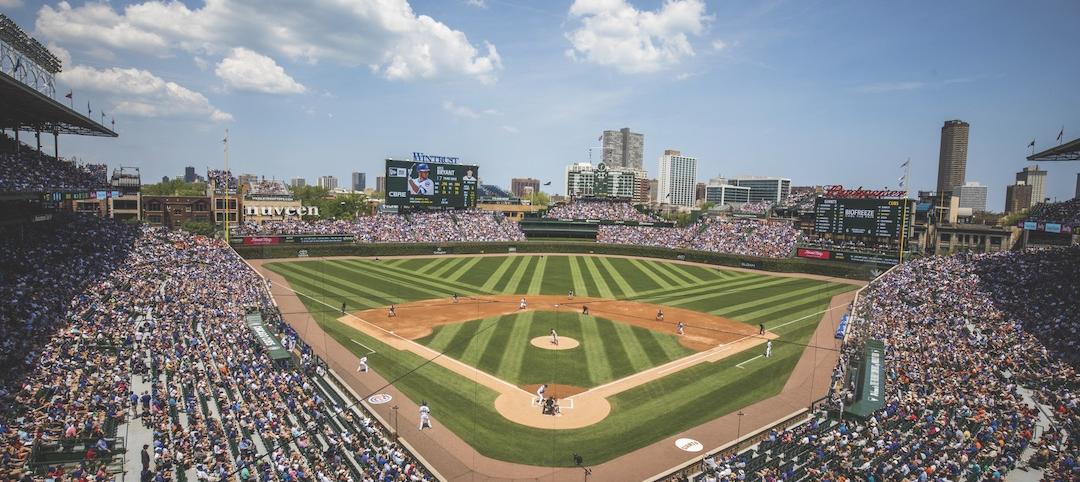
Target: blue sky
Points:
(821, 92)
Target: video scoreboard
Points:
(430, 184)
(862, 217)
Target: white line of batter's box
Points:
(569, 403)
(363, 345)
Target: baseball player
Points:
(768, 349)
(454, 299)
(554, 337)
(570, 295)
(761, 328)
(363, 365)
(660, 315)
(392, 312)
(425, 415)
(585, 309)
(680, 327)
(540, 392)
(421, 185)
(522, 304)
(343, 307)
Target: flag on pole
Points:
(902, 180)
(70, 93)
(1032, 143)
(905, 164)
(547, 183)
(89, 112)
(1061, 133)
(598, 139)
(18, 65)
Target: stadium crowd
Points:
(973, 343)
(608, 210)
(88, 305)
(1066, 213)
(268, 188)
(750, 237)
(220, 179)
(434, 227)
(23, 169)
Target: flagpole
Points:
(227, 175)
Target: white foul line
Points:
(363, 345)
(747, 361)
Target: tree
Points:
(175, 187)
(537, 198)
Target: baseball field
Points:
(625, 378)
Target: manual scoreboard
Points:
(881, 218)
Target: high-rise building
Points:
(189, 174)
(328, 182)
(763, 188)
(699, 192)
(584, 179)
(297, 182)
(719, 192)
(972, 195)
(677, 179)
(359, 181)
(623, 148)
(1017, 197)
(952, 157)
(518, 185)
(1077, 195)
(654, 188)
(1037, 180)
(380, 184)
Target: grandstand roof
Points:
(26, 108)
(1069, 151)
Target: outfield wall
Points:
(786, 265)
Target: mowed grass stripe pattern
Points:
(639, 416)
(501, 346)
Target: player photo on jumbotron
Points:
(419, 182)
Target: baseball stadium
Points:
(440, 328)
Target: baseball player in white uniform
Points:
(540, 393)
(768, 349)
(425, 415)
(422, 185)
(554, 337)
(363, 365)
(681, 328)
(522, 304)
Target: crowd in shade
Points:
(802, 200)
(23, 168)
(434, 227)
(981, 378)
(92, 309)
(268, 188)
(596, 209)
(1066, 213)
(750, 237)
(220, 179)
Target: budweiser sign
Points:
(838, 191)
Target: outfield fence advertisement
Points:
(849, 256)
(291, 239)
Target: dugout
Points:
(267, 340)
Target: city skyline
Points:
(821, 94)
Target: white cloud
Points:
(140, 93)
(459, 110)
(476, 3)
(11, 3)
(613, 33)
(61, 53)
(719, 45)
(247, 70)
(511, 129)
(385, 35)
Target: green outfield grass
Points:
(640, 416)
(609, 350)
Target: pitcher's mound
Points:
(544, 342)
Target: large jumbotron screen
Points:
(430, 184)
(861, 217)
